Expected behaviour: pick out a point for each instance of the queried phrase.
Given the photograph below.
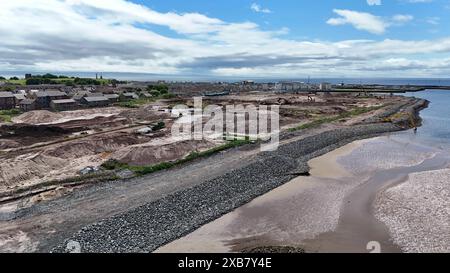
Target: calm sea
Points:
(154, 77)
(435, 130)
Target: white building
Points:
(325, 86)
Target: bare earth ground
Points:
(50, 222)
(71, 141)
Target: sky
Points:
(233, 38)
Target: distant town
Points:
(61, 93)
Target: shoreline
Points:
(169, 218)
(327, 212)
(260, 226)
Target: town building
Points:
(146, 95)
(96, 101)
(325, 86)
(112, 97)
(63, 105)
(27, 105)
(7, 100)
(43, 98)
(19, 97)
(130, 96)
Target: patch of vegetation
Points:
(86, 81)
(38, 81)
(319, 121)
(61, 79)
(135, 103)
(407, 118)
(113, 164)
(7, 88)
(161, 88)
(16, 82)
(7, 115)
(92, 177)
(160, 125)
(167, 96)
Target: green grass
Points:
(17, 82)
(136, 103)
(143, 170)
(322, 120)
(58, 80)
(7, 115)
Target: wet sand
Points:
(299, 210)
(330, 211)
(417, 212)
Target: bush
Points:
(113, 164)
(168, 96)
(38, 81)
(86, 81)
(7, 115)
(159, 126)
(49, 76)
(162, 88)
(154, 93)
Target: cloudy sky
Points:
(263, 38)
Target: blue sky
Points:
(307, 19)
(327, 38)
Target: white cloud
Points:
(81, 35)
(359, 20)
(419, 1)
(374, 2)
(433, 20)
(401, 19)
(257, 8)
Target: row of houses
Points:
(59, 101)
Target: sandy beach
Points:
(330, 211)
(417, 212)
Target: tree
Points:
(86, 81)
(2, 78)
(14, 79)
(155, 93)
(49, 76)
(37, 81)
